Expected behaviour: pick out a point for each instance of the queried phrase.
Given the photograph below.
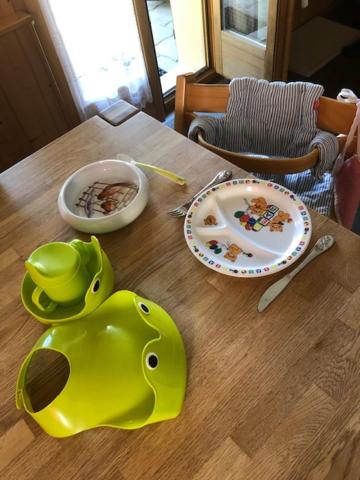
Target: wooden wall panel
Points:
(31, 115)
(32, 7)
(6, 8)
(13, 142)
(18, 4)
(42, 73)
(21, 90)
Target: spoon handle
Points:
(165, 173)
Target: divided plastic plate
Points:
(248, 228)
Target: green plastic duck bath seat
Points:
(127, 368)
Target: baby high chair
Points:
(333, 116)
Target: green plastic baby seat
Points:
(101, 285)
(127, 368)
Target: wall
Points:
(32, 107)
(316, 7)
(32, 6)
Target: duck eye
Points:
(152, 360)
(144, 308)
(96, 286)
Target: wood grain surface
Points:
(270, 396)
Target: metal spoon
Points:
(323, 244)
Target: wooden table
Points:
(270, 396)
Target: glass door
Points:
(251, 37)
(179, 34)
(247, 18)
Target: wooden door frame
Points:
(280, 35)
(280, 25)
(156, 108)
(214, 16)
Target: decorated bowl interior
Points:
(102, 189)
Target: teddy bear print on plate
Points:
(247, 228)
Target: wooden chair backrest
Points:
(333, 116)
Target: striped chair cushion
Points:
(276, 119)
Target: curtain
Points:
(98, 45)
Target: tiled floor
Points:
(163, 32)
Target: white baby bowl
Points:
(94, 200)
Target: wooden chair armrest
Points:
(262, 163)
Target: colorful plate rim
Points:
(249, 272)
